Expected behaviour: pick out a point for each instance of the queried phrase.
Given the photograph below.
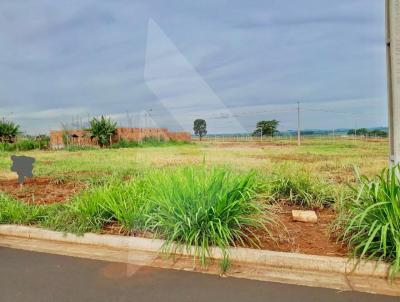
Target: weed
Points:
(371, 223)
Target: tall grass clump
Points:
(300, 188)
(200, 207)
(116, 201)
(370, 225)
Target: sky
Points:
(166, 63)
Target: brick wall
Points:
(82, 137)
(74, 137)
(180, 136)
(138, 134)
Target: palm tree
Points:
(103, 129)
(8, 131)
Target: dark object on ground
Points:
(23, 166)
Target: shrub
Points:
(76, 148)
(7, 147)
(122, 143)
(153, 141)
(194, 206)
(371, 223)
(43, 141)
(24, 145)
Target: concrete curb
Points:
(320, 271)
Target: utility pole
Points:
(355, 131)
(392, 9)
(298, 125)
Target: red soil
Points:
(40, 190)
(300, 237)
(290, 236)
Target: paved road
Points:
(27, 276)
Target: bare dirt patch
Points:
(301, 237)
(40, 190)
(289, 236)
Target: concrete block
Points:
(304, 216)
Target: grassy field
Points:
(332, 160)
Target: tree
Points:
(266, 128)
(359, 132)
(362, 132)
(103, 129)
(200, 127)
(377, 133)
(8, 131)
(352, 132)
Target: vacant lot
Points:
(333, 160)
(315, 175)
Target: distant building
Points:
(85, 137)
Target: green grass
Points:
(116, 201)
(24, 145)
(371, 223)
(188, 206)
(321, 158)
(148, 142)
(76, 148)
(150, 187)
(125, 144)
(200, 207)
(16, 212)
(299, 188)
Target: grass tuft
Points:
(116, 201)
(371, 223)
(17, 212)
(200, 207)
(300, 188)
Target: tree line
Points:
(263, 128)
(270, 128)
(367, 133)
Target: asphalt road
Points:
(27, 276)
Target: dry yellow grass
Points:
(331, 159)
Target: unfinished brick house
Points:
(85, 138)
